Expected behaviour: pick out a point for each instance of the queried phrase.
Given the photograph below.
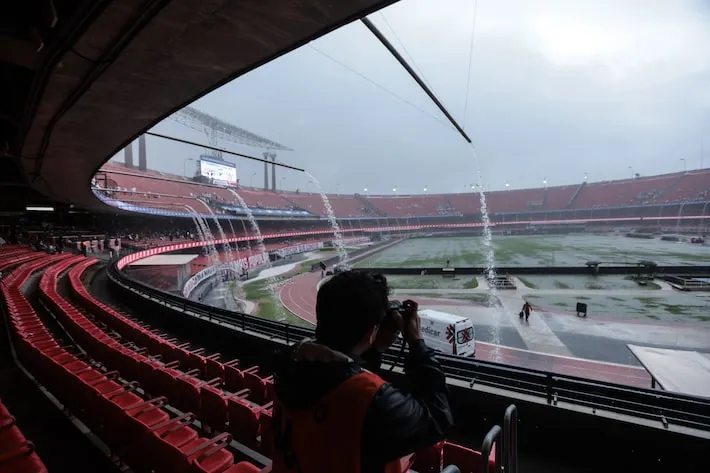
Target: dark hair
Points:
(348, 305)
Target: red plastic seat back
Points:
(468, 461)
(243, 422)
(233, 378)
(213, 407)
(256, 386)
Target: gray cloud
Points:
(557, 88)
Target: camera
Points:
(406, 310)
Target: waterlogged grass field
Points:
(604, 283)
(673, 308)
(431, 282)
(543, 250)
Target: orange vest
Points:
(327, 438)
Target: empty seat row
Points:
(138, 429)
(169, 349)
(184, 390)
(16, 452)
(166, 368)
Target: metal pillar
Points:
(142, 158)
(128, 155)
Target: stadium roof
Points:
(164, 260)
(226, 131)
(82, 79)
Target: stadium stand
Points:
(412, 205)
(162, 191)
(559, 197)
(626, 192)
(344, 206)
(113, 407)
(691, 186)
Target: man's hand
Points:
(412, 328)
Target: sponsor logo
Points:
(431, 331)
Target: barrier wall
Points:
(235, 266)
(296, 249)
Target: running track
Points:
(298, 295)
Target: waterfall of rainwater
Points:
(489, 251)
(270, 281)
(234, 235)
(205, 235)
(227, 248)
(677, 226)
(246, 234)
(337, 235)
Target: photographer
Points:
(331, 414)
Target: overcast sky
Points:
(557, 88)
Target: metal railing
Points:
(667, 408)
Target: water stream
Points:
(490, 271)
(231, 263)
(271, 282)
(337, 235)
(205, 235)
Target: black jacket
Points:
(398, 422)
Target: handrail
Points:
(492, 438)
(510, 440)
(666, 408)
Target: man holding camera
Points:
(331, 413)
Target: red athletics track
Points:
(299, 296)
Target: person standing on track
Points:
(527, 308)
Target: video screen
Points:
(219, 172)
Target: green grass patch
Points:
(583, 298)
(561, 304)
(675, 309)
(617, 299)
(472, 284)
(477, 298)
(561, 285)
(269, 306)
(646, 300)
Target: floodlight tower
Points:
(217, 130)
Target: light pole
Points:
(365, 190)
(337, 188)
(631, 168)
(507, 186)
(685, 165)
(251, 180)
(585, 177)
(184, 166)
(425, 188)
(544, 182)
(394, 189)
